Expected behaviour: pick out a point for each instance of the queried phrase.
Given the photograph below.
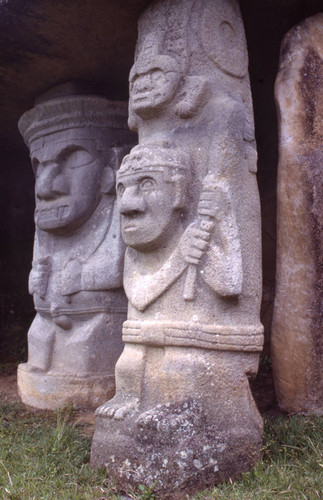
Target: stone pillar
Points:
(76, 144)
(183, 415)
(297, 340)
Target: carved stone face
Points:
(152, 88)
(146, 203)
(68, 173)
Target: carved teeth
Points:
(62, 212)
(140, 97)
(55, 213)
(48, 214)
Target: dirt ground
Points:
(8, 387)
(9, 394)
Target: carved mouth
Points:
(52, 214)
(130, 223)
(141, 97)
(130, 226)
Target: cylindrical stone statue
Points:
(76, 144)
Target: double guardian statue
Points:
(183, 416)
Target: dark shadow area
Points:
(16, 236)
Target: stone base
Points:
(49, 391)
(174, 448)
(192, 422)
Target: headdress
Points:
(154, 157)
(72, 112)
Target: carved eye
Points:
(157, 76)
(76, 158)
(120, 189)
(147, 184)
(141, 82)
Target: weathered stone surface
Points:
(297, 340)
(76, 144)
(183, 415)
(196, 423)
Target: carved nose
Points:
(47, 184)
(131, 203)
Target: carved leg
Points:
(182, 372)
(129, 380)
(41, 338)
(89, 347)
(187, 373)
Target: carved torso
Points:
(86, 277)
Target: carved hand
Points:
(193, 243)
(39, 276)
(214, 202)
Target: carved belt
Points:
(218, 337)
(79, 311)
(64, 317)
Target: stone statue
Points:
(297, 341)
(76, 145)
(183, 415)
(171, 260)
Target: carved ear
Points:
(115, 157)
(193, 97)
(180, 191)
(108, 180)
(133, 120)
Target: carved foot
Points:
(169, 418)
(118, 409)
(150, 419)
(31, 368)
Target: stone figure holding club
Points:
(183, 415)
(181, 331)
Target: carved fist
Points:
(193, 243)
(39, 276)
(214, 202)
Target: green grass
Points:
(42, 456)
(45, 456)
(292, 465)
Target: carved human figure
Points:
(74, 341)
(164, 248)
(183, 278)
(159, 91)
